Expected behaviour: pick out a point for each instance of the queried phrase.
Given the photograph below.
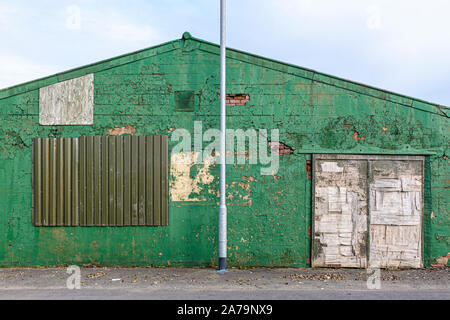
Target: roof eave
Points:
(90, 68)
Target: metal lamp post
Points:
(223, 206)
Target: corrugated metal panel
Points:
(55, 182)
(100, 181)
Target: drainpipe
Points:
(223, 94)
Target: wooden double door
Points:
(367, 211)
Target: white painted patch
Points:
(69, 102)
(183, 186)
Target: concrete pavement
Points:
(241, 284)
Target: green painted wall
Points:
(268, 216)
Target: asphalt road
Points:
(203, 283)
(300, 294)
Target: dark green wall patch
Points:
(184, 100)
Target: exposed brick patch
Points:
(122, 130)
(240, 99)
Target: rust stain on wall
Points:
(308, 169)
(249, 178)
(357, 137)
(443, 260)
(244, 185)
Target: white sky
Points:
(402, 45)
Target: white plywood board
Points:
(340, 219)
(395, 214)
(68, 102)
(357, 195)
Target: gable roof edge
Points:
(90, 68)
(320, 77)
(243, 56)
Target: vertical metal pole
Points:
(223, 206)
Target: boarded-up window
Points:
(367, 211)
(100, 181)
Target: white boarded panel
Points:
(395, 246)
(395, 213)
(340, 213)
(69, 102)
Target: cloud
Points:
(7, 13)
(397, 45)
(114, 26)
(373, 21)
(110, 25)
(126, 31)
(64, 38)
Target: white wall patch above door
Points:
(69, 102)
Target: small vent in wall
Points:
(184, 100)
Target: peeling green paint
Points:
(269, 217)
